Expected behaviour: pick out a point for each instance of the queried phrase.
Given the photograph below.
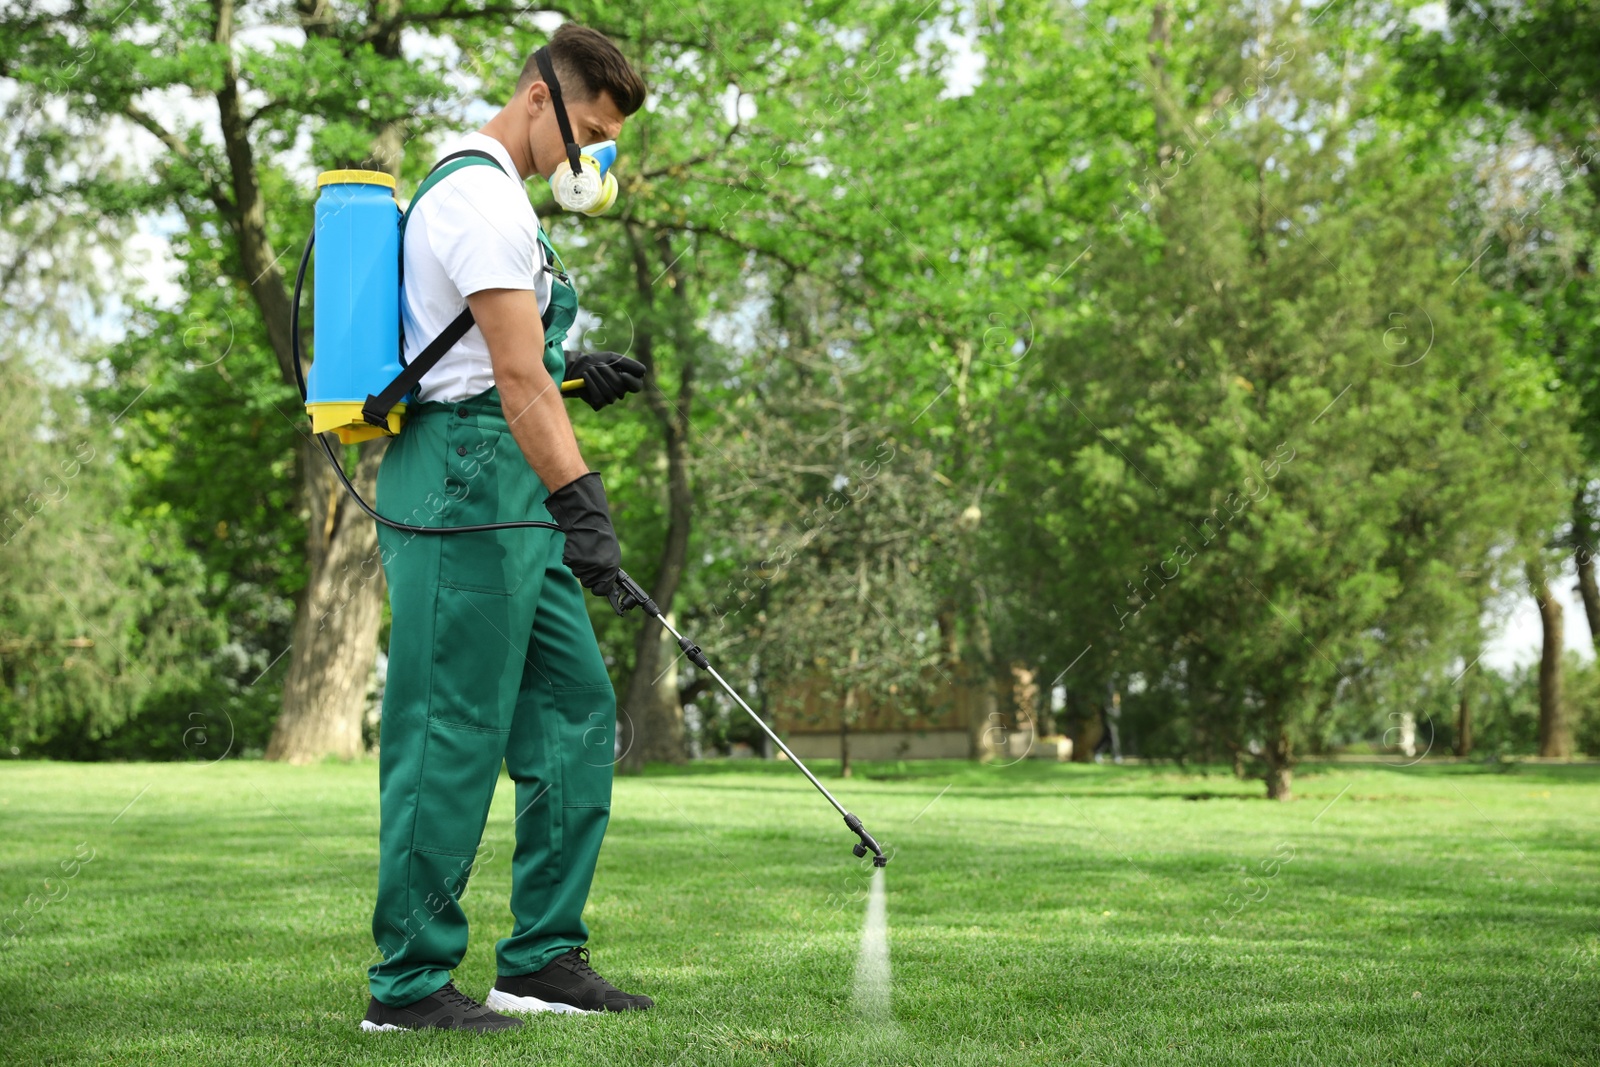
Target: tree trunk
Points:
(1087, 732)
(1279, 755)
(844, 748)
(987, 729)
(1280, 781)
(985, 719)
(658, 725)
(1464, 715)
(1555, 735)
(1159, 37)
(763, 704)
(1583, 554)
(1113, 719)
(335, 637)
(662, 732)
(334, 640)
(1024, 692)
(655, 731)
(847, 714)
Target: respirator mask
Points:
(583, 182)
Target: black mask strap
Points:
(548, 72)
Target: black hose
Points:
(333, 460)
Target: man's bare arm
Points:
(531, 399)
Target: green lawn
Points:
(1037, 914)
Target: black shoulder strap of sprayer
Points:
(376, 409)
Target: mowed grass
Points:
(1038, 914)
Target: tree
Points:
(343, 82)
(98, 611)
(741, 208)
(1525, 74)
(1283, 482)
(1555, 733)
(346, 84)
(840, 602)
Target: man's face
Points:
(592, 121)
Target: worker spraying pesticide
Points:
(492, 656)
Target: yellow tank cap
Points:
(354, 177)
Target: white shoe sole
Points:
(501, 1001)
(375, 1028)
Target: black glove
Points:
(607, 376)
(591, 552)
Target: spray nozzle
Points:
(866, 843)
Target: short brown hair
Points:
(588, 64)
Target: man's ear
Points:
(535, 97)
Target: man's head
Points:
(598, 87)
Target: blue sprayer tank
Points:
(357, 293)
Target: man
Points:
(492, 656)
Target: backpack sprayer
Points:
(357, 289)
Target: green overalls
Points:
(491, 657)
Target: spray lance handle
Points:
(627, 593)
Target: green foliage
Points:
(1291, 436)
(99, 611)
(1217, 352)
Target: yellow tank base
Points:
(343, 417)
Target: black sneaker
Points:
(566, 984)
(444, 1009)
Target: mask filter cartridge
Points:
(593, 189)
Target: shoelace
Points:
(451, 994)
(578, 962)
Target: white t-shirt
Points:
(474, 230)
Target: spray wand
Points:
(698, 658)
